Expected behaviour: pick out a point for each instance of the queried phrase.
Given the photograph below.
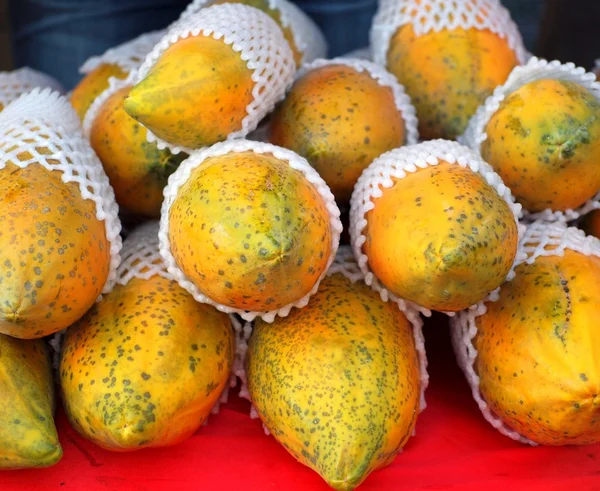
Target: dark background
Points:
(568, 30)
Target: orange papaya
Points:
(195, 95)
(145, 366)
(138, 171)
(27, 433)
(538, 347)
(250, 232)
(54, 252)
(92, 85)
(463, 237)
(337, 383)
(449, 74)
(340, 120)
(544, 141)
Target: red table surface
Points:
(454, 449)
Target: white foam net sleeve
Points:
(435, 15)
(344, 264)
(383, 78)
(43, 119)
(397, 164)
(260, 43)
(540, 239)
(18, 82)
(535, 69)
(182, 174)
(308, 38)
(140, 257)
(114, 85)
(128, 56)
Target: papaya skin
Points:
(195, 95)
(92, 85)
(359, 352)
(54, 252)
(448, 74)
(27, 433)
(340, 120)
(250, 232)
(538, 350)
(145, 366)
(137, 169)
(276, 16)
(463, 238)
(544, 141)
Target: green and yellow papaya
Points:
(544, 141)
(145, 366)
(463, 237)
(27, 433)
(337, 383)
(538, 348)
(250, 232)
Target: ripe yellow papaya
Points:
(538, 350)
(337, 383)
(27, 433)
(340, 120)
(195, 95)
(544, 141)
(54, 252)
(250, 232)
(92, 85)
(275, 14)
(138, 171)
(463, 237)
(448, 74)
(145, 366)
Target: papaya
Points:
(448, 74)
(54, 252)
(27, 433)
(250, 232)
(337, 383)
(145, 366)
(538, 350)
(275, 13)
(544, 141)
(195, 95)
(92, 85)
(340, 120)
(463, 237)
(138, 171)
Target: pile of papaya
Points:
(230, 210)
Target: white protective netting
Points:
(18, 82)
(141, 259)
(535, 69)
(540, 239)
(196, 159)
(43, 120)
(435, 15)
(308, 38)
(260, 43)
(383, 78)
(346, 265)
(128, 56)
(395, 165)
